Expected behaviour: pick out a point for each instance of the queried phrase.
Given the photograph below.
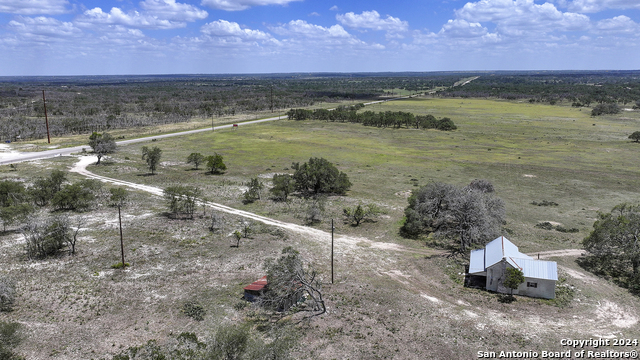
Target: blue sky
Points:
(99, 37)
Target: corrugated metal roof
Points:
(476, 265)
(536, 269)
(502, 248)
(257, 285)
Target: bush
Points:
(43, 189)
(182, 199)
(605, 109)
(446, 124)
(319, 176)
(10, 337)
(254, 192)
(315, 210)
(565, 230)
(463, 215)
(194, 311)
(78, 196)
(544, 203)
(361, 212)
(283, 185)
(545, 225)
(47, 237)
(215, 164)
(7, 294)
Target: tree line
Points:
(582, 88)
(391, 119)
(84, 105)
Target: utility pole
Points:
(272, 98)
(46, 119)
(121, 241)
(332, 250)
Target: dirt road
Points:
(341, 240)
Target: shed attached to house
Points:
(492, 262)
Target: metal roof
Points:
(476, 265)
(502, 248)
(536, 269)
(257, 285)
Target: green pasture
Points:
(529, 152)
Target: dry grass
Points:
(391, 299)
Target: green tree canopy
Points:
(319, 176)
(196, 159)
(466, 215)
(102, 144)
(283, 186)
(182, 199)
(514, 278)
(635, 136)
(615, 242)
(215, 164)
(152, 157)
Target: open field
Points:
(385, 303)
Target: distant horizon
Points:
(329, 73)
(144, 37)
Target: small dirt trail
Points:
(351, 241)
(557, 253)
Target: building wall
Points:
(496, 274)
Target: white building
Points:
(492, 262)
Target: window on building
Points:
(532, 284)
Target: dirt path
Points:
(557, 253)
(350, 241)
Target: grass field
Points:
(384, 304)
(529, 152)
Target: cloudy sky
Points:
(102, 37)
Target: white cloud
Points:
(304, 29)
(237, 5)
(44, 27)
(132, 19)
(170, 10)
(34, 7)
(522, 17)
(223, 28)
(463, 29)
(372, 20)
(314, 14)
(593, 6)
(334, 8)
(335, 35)
(619, 24)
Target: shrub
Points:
(605, 109)
(319, 176)
(46, 237)
(565, 230)
(78, 196)
(193, 310)
(446, 124)
(544, 203)
(182, 199)
(254, 192)
(10, 337)
(361, 212)
(215, 164)
(544, 225)
(7, 294)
